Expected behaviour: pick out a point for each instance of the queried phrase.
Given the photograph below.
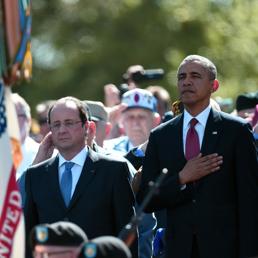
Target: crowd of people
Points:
(87, 168)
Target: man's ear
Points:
(90, 132)
(157, 119)
(90, 127)
(86, 125)
(215, 85)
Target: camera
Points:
(139, 75)
(144, 75)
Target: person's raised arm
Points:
(46, 149)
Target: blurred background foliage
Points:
(81, 45)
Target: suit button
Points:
(193, 201)
(65, 219)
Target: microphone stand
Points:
(128, 233)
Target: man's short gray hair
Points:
(204, 62)
(19, 100)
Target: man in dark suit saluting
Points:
(210, 193)
(78, 185)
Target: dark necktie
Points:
(192, 145)
(66, 182)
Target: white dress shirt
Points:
(199, 127)
(78, 161)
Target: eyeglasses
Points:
(69, 124)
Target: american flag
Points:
(12, 236)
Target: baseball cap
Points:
(97, 110)
(105, 247)
(58, 234)
(140, 98)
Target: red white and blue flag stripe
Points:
(12, 237)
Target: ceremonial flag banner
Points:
(12, 235)
(15, 40)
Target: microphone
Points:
(128, 233)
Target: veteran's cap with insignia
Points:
(139, 98)
(105, 247)
(59, 234)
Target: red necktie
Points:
(192, 145)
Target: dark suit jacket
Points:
(102, 204)
(135, 160)
(221, 208)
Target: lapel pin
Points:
(215, 132)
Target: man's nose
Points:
(187, 81)
(62, 127)
(136, 122)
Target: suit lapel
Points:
(212, 133)
(87, 174)
(175, 140)
(178, 135)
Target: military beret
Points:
(105, 247)
(59, 234)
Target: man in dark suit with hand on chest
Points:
(210, 193)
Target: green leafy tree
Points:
(79, 46)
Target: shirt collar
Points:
(130, 145)
(79, 159)
(202, 117)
